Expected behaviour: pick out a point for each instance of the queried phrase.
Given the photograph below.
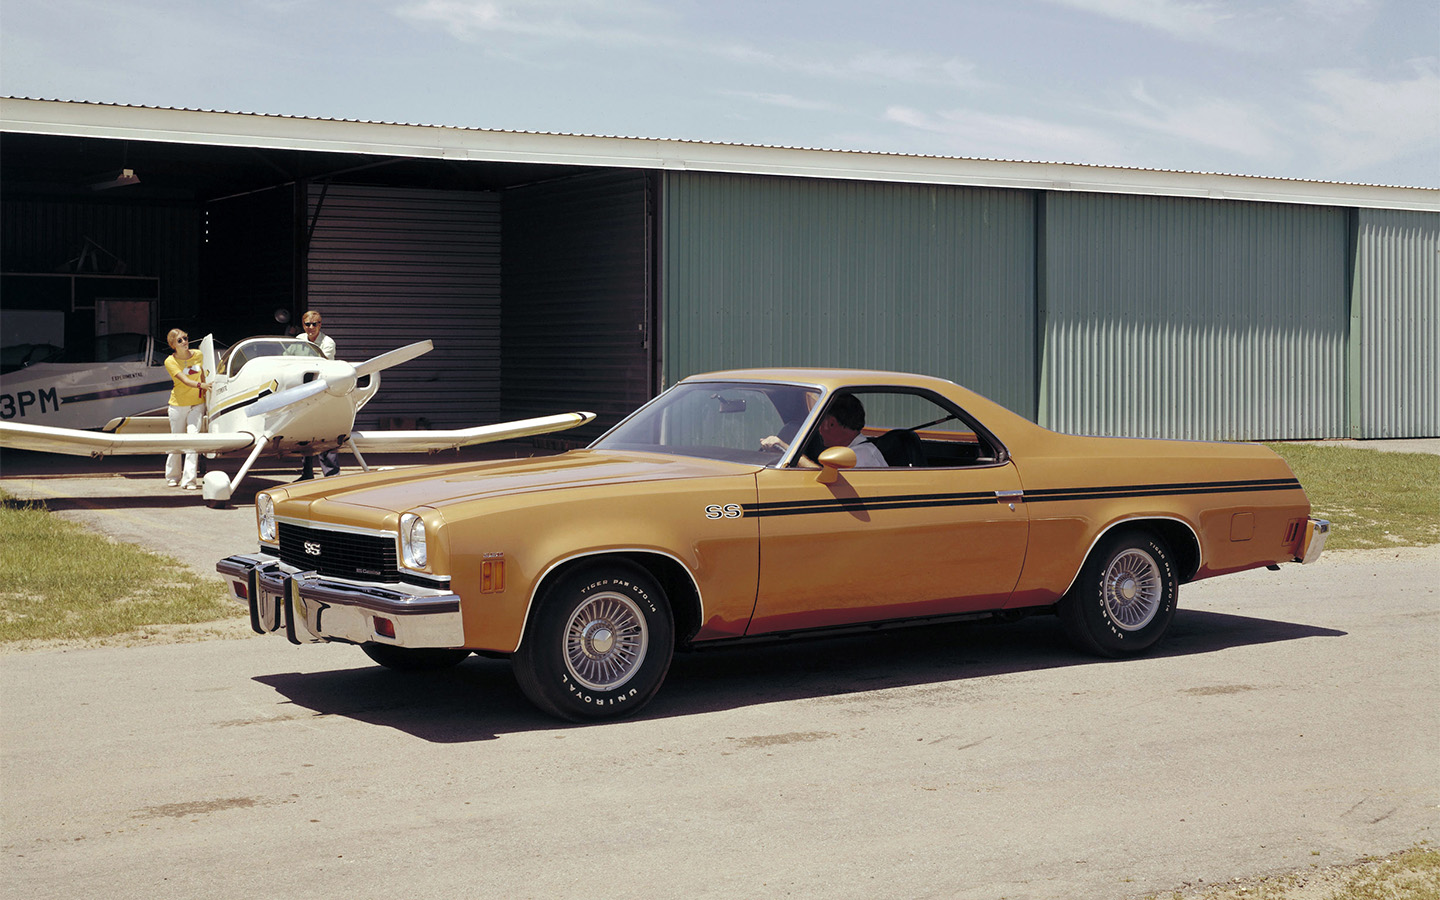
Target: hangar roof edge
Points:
(460, 143)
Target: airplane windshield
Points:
(248, 350)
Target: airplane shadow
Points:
(155, 496)
(479, 699)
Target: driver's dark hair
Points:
(848, 411)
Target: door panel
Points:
(884, 543)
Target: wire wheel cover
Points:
(605, 641)
(1132, 589)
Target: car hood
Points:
(441, 486)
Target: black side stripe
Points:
(242, 404)
(866, 504)
(1049, 495)
(1155, 490)
(117, 392)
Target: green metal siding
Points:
(1202, 319)
(1395, 367)
(770, 271)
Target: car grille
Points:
(339, 554)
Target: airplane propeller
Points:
(394, 357)
(282, 399)
(341, 385)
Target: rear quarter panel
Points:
(1238, 500)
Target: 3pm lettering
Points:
(18, 404)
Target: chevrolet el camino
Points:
(763, 503)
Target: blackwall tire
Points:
(414, 659)
(1123, 601)
(598, 644)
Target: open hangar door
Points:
(537, 296)
(551, 259)
(577, 313)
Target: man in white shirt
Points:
(310, 331)
(841, 426)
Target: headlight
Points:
(412, 541)
(265, 517)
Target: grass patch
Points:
(61, 581)
(1410, 875)
(1372, 499)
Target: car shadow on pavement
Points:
(479, 699)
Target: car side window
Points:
(910, 429)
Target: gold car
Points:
(766, 503)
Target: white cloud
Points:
(910, 68)
(786, 101)
(629, 22)
(1361, 122)
(1182, 18)
(588, 21)
(1241, 127)
(972, 133)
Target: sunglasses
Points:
(311, 324)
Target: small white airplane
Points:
(277, 395)
(36, 390)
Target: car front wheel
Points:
(1123, 601)
(598, 645)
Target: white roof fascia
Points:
(77, 119)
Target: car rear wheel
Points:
(414, 659)
(598, 645)
(1123, 601)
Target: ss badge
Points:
(728, 511)
(312, 548)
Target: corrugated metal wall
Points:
(577, 317)
(1395, 368)
(1199, 319)
(768, 271)
(391, 266)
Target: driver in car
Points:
(841, 426)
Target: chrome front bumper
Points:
(1312, 542)
(311, 608)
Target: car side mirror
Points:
(832, 460)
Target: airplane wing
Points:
(76, 442)
(415, 441)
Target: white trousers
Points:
(183, 420)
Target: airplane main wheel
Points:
(599, 643)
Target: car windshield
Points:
(714, 420)
(248, 350)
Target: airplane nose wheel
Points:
(216, 489)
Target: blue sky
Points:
(1334, 90)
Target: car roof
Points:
(825, 378)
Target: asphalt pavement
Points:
(1289, 721)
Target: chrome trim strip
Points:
(331, 526)
(1316, 531)
(310, 607)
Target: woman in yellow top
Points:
(187, 405)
